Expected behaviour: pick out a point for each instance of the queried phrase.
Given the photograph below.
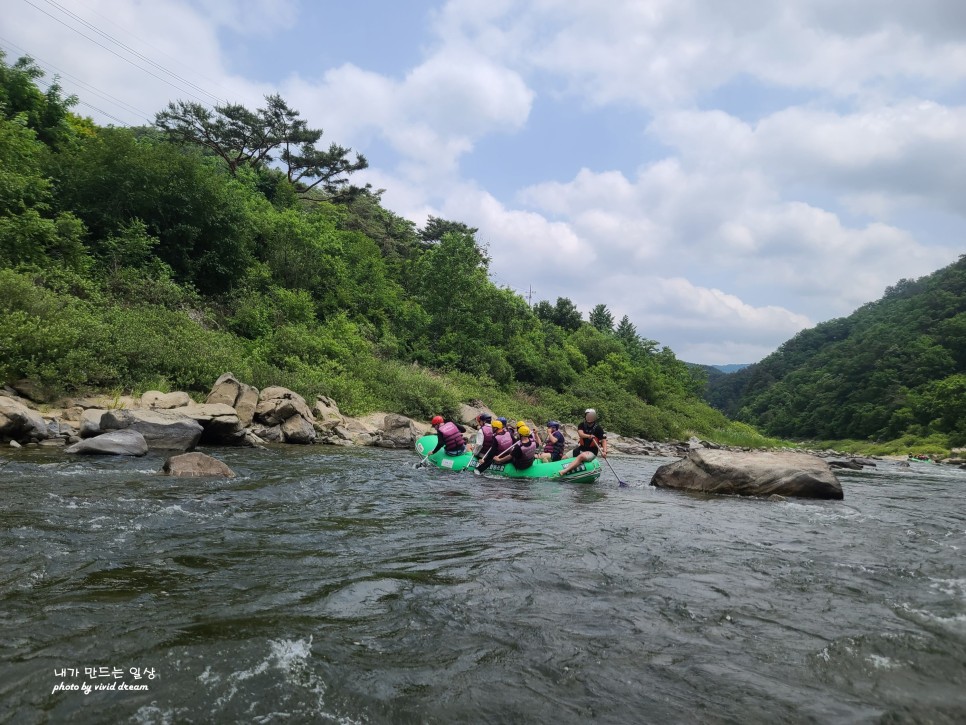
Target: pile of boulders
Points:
(233, 414)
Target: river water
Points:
(346, 586)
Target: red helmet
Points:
(437, 420)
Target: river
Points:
(337, 585)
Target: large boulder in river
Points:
(162, 429)
(228, 390)
(751, 474)
(90, 422)
(125, 442)
(297, 429)
(286, 408)
(220, 422)
(20, 423)
(276, 405)
(196, 465)
(397, 431)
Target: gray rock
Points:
(298, 430)
(165, 401)
(125, 442)
(53, 443)
(228, 390)
(220, 423)
(397, 431)
(162, 429)
(268, 433)
(751, 474)
(327, 414)
(276, 405)
(196, 465)
(903, 464)
(14, 444)
(850, 465)
(90, 422)
(469, 413)
(74, 439)
(246, 403)
(20, 423)
(31, 391)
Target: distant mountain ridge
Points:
(894, 368)
(731, 368)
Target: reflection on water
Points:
(325, 584)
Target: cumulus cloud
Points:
(744, 228)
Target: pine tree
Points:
(601, 318)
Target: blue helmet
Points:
(502, 420)
(486, 417)
(553, 424)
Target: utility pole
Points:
(530, 296)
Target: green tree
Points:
(241, 137)
(436, 228)
(626, 332)
(563, 313)
(31, 232)
(47, 113)
(204, 221)
(601, 318)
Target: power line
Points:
(128, 48)
(48, 86)
(88, 88)
(151, 45)
(114, 52)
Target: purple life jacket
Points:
(524, 453)
(488, 436)
(451, 437)
(503, 441)
(555, 444)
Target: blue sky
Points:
(724, 172)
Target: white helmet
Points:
(590, 411)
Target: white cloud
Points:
(745, 230)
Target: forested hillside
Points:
(894, 369)
(229, 239)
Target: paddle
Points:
(422, 462)
(600, 447)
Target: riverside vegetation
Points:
(156, 258)
(889, 378)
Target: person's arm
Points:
(603, 443)
(536, 436)
(439, 442)
(506, 455)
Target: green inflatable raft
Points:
(587, 472)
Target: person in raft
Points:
(553, 448)
(485, 436)
(502, 442)
(450, 436)
(593, 440)
(522, 453)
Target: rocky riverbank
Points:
(236, 414)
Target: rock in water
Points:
(196, 465)
(397, 431)
(162, 429)
(220, 423)
(90, 422)
(125, 442)
(298, 430)
(751, 474)
(20, 423)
